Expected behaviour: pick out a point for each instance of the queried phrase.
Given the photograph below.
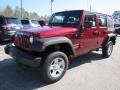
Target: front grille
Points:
(22, 41)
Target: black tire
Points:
(107, 50)
(49, 62)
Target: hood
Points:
(35, 25)
(11, 27)
(47, 31)
(15, 26)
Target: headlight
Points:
(31, 39)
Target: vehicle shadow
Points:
(87, 58)
(15, 77)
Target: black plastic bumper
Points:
(8, 35)
(22, 57)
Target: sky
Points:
(43, 7)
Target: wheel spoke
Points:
(60, 70)
(54, 73)
(57, 67)
(56, 61)
(51, 67)
(62, 63)
(110, 49)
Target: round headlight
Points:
(31, 39)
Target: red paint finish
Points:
(48, 31)
(58, 31)
(83, 41)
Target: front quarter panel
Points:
(40, 45)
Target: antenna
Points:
(89, 5)
(52, 6)
(21, 8)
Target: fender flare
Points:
(58, 40)
(42, 43)
(107, 39)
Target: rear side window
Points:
(102, 21)
(91, 18)
(2, 20)
(24, 21)
(110, 22)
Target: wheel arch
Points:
(109, 37)
(59, 43)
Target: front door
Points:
(88, 39)
(91, 33)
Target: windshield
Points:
(34, 21)
(25, 21)
(67, 18)
(13, 21)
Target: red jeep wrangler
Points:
(68, 34)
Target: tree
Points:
(116, 17)
(8, 11)
(25, 14)
(17, 12)
(34, 15)
(46, 18)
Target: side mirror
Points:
(88, 24)
(80, 30)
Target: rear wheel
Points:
(54, 67)
(107, 50)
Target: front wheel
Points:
(107, 50)
(54, 67)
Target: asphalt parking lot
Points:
(88, 72)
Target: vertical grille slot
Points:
(22, 41)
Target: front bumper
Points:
(6, 35)
(22, 57)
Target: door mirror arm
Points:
(80, 30)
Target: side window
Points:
(91, 18)
(58, 19)
(71, 20)
(102, 21)
(110, 22)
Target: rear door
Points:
(102, 28)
